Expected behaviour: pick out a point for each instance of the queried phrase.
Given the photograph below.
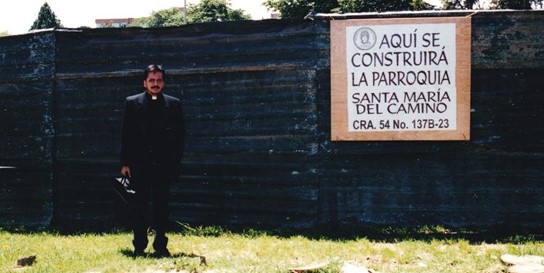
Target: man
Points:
(151, 148)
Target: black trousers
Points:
(152, 184)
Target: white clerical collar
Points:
(154, 97)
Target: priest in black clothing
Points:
(151, 148)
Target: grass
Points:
(387, 250)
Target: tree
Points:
(290, 8)
(300, 8)
(214, 11)
(515, 4)
(325, 6)
(460, 4)
(421, 5)
(382, 6)
(373, 5)
(495, 4)
(162, 18)
(205, 11)
(46, 19)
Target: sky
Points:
(17, 16)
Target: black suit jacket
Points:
(135, 135)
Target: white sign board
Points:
(400, 79)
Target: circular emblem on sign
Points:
(364, 38)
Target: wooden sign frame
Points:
(407, 131)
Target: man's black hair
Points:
(153, 68)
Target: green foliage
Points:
(290, 9)
(204, 11)
(382, 6)
(162, 18)
(374, 5)
(495, 4)
(4, 33)
(206, 231)
(459, 4)
(514, 4)
(421, 5)
(293, 9)
(300, 8)
(46, 19)
(214, 11)
(325, 6)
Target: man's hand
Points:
(125, 170)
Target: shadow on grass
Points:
(129, 253)
(388, 234)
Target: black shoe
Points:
(162, 253)
(139, 246)
(159, 244)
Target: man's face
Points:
(154, 83)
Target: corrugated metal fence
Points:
(256, 99)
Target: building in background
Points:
(117, 23)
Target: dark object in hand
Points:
(123, 189)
